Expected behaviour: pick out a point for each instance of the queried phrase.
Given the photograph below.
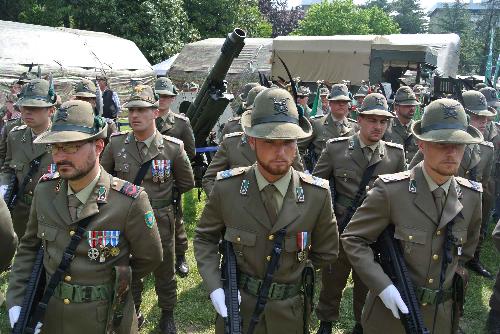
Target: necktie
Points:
(270, 202)
(368, 153)
(439, 199)
(142, 148)
(159, 123)
(73, 204)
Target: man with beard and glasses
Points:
(361, 152)
(436, 218)
(24, 158)
(112, 218)
(399, 129)
(271, 214)
(158, 163)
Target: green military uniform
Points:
(9, 125)
(494, 315)
(406, 201)
(236, 211)
(122, 222)
(9, 240)
(232, 125)
(234, 151)
(345, 176)
(361, 93)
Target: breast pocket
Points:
(18, 167)
(344, 175)
(122, 169)
(290, 256)
(48, 236)
(413, 243)
(243, 243)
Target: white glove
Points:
(14, 313)
(392, 300)
(219, 301)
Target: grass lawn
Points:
(195, 314)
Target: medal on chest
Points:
(99, 241)
(302, 245)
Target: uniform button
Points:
(238, 239)
(66, 301)
(67, 278)
(271, 237)
(438, 232)
(424, 304)
(268, 258)
(71, 233)
(435, 257)
(410, 237)
(431, 280)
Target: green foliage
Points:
(343, 17)
(409, 16)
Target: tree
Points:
(382, 4)
(282, 19)
(409, 16)
(343, 17)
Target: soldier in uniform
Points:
(325, 104)
(303, 93)
(358, 98)
(359, 151)
(437, 219)
(177, 126)
(167, 166)
(333, 124)
(493, 323)
(118, 220)
(234, 124)
(85, 90)
(24, 158)
(8, 126)
(398, 131)
(271, 203)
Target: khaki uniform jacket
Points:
(324, 128)
(397, 133)
(122, 157)
(124, 208)
(178, 126)
(404, 200)
(234, 151)
(232, 125)
(343, 164)
(9, 125)
(240, 217)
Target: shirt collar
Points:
(84, 194)
(433, 185)
(149, 140)
(372, 146)
(281, 184)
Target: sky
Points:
(426, 4)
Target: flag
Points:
(489, 61)
(315, 103)
(495, 77)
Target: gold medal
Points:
(114, 251)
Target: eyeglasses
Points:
(66, 148)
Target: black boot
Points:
(325, 327)
(181, 266)
(475, 265)
(493, 322)
(167, 323)
(140, 316)
(357, 329)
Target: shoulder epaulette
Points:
(119, 133)
(226, 174)
(49, 176)
(234, 134)
(487, 143)
(182, 116)
(352, 120)
(396, 145)
(173, 139)
(233, 119)
(19, 127)
(333, 140)
(387, 178)
(126, 188)
(314, 180)
(476, 186)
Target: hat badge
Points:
(379, 101)
(450, 111)
(30, 87)
(280, 106)
(482, 99)
(138, 89)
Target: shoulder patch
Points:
(476, 186)
(396, 145)
(181, 116)
(126, 187)
(387, 178)
(234, 134)
(486, 143)
(119, 133)
(226, 174)
(19, 127)
(49, 176)
(333, 140)
(173, 139)
(314, 180)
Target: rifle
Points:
(232, 324)
(389, 254)
(33, 295)
(34, 165)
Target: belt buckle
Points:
(87, 294)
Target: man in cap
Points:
(263, 207)
(399, 129)
(303, 93)
(358, 100)
(235, 151)
(111, 101)
(24, 158)
(158, 163)
(333, 124)
(436, 217)
(365, 156)
(177, 126)
(325, 105)
(112, 218)
(493, 323)
(234, 123)
(85, 90)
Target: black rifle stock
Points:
(34, 292)
(232, 324)
(390, 256)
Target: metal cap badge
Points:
(142, 97)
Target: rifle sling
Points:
(67, 258)
(367, 175)
(268, 279)
(142, 172)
